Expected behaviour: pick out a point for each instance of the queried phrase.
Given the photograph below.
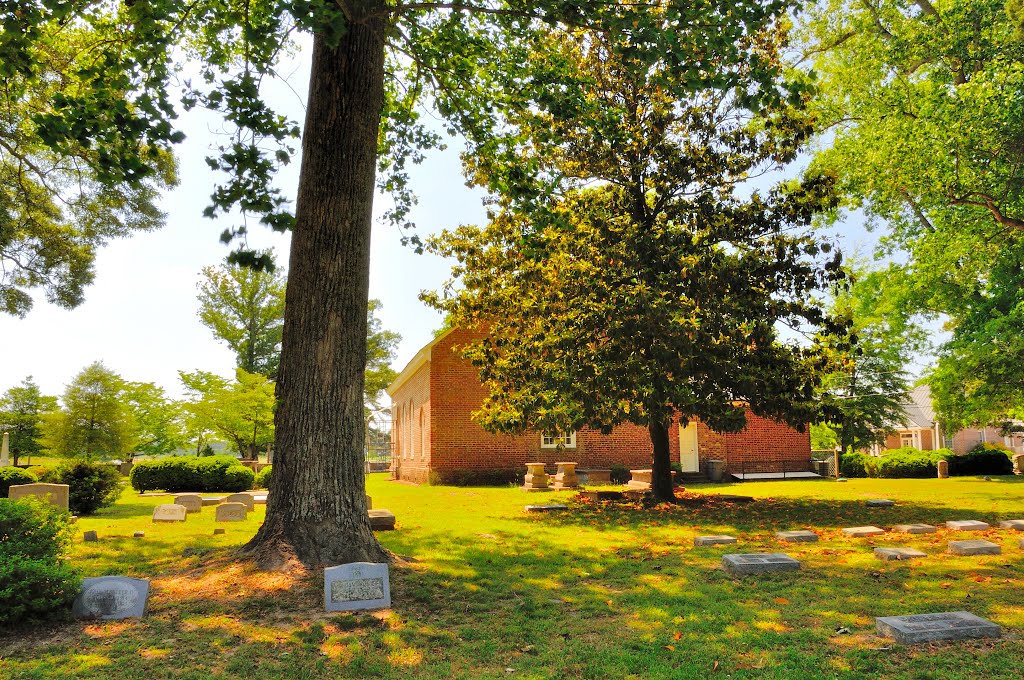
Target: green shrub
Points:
(91, 485)
(39, 470)
(856, 465)
(35, 582)
(910, 463)
(983, 459)
(188, 473)
(263, 478)
(620, 474)
(12, 476)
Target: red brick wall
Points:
(451, 390)
(412, 441)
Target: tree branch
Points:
(983, 200)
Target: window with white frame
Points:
(907, 440)
(553, 441)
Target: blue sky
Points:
(140, 316)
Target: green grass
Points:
(600, 591)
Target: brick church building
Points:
(434, 438)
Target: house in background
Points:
(435, 438)
(921, 429)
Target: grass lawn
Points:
(600, 591)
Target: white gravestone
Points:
(974, 548)
(355, 586)
(890, 554)
(111, 597)
(169, 512)
(191, 502)
(1015, 524)
(5, 451)
(231, 512)
(930, 627)
(57, 495)
(880, 503)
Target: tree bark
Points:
(661, 465)
(316, 513)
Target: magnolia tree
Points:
(645, 288)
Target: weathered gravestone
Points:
(536, 479)
(359, 585)
(640, 480)
(139, 534)
(966, 525)
(565, 477)
(213, 500)
(714, 540)
(758, 563)
(862, 532)
(1015, 524)
(190, 501)
(974, 548)
(595, 476)
(918, 628)
(111, 597)
(798, 536)
(90, 536)
(218, 532)
(244, 498)
(914, 528)
(890, 554)
(169, 512)
(231, 512)
(880, 503)
(55, 494)
(381, 520)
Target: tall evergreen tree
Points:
(21, 415)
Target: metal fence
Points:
(378, 442)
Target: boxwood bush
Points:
(12, 476)
(263, 478)
(910, 463)
(35, 581)
(856, 465)
(187, 473)
(91, 485)
(983, 459)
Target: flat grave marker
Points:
(1015, 524)
(231, 512)
(714, 540)
(356, 586)
(381, 520)
(862, 532)
(213, 500)
(244, 498)
(90, 536)
(891, 554)
(966, 525)
(974, 548)
(798, 536)
(55, 494)
(915, 528)
(880, 503)
(111, 597)
(546, 508)
(918, 628)
(169, 512)
(191, 502)
(139, 534)
(758, 563)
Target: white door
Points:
(688, 448)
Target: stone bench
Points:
(594, 476)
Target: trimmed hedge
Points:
(12, 476)
(91, 485)
(910, 463)
(263, 478)
(983, 459)
(469, 477)
(856, 465)
(188, 473)
(35, 581)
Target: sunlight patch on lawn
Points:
(232, 626)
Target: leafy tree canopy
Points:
(93, 421)
(241, 412)
(244, 307)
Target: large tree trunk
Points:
(661, 467)
(316, 512)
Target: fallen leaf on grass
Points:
(670, 648)
(781, 600)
